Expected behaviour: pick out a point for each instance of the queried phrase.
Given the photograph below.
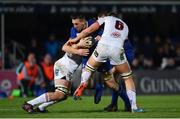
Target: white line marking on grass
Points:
(8, 109)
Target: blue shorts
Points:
(129, 51)
(129, 55)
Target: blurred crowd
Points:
(40, 47)
(35, 78)
(150, 52)
(34, 69)
(156, 52)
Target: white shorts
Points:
(64, 67)
(114, 54)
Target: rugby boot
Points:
(79, 91)
(138, 110)
(27, 107)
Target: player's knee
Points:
(112, 84)
(126, 75)
(62, 97)
(108, 76)
(89, 68)
(86, 74)
(61, 93)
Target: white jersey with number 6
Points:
(115, 31)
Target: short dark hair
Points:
(77, 16)
(115, 14)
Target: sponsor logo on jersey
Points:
(115, 34)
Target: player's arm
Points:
(99, 33)
(86, 32)
(73, 49)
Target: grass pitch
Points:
(156, 107)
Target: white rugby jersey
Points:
(115, 31)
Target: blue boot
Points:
(113, 107)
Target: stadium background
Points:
(154, 31)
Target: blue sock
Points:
(123, 95)
(99, 86)
(98, 92)
(114, 97)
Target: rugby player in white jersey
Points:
(63, 71)
(109, 47)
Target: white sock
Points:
(41, 99)
(132, 98)
(85, 76)
(43, 106)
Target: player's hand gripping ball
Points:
(85, 42)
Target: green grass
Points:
(156, 107)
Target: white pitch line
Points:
(8, 109)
